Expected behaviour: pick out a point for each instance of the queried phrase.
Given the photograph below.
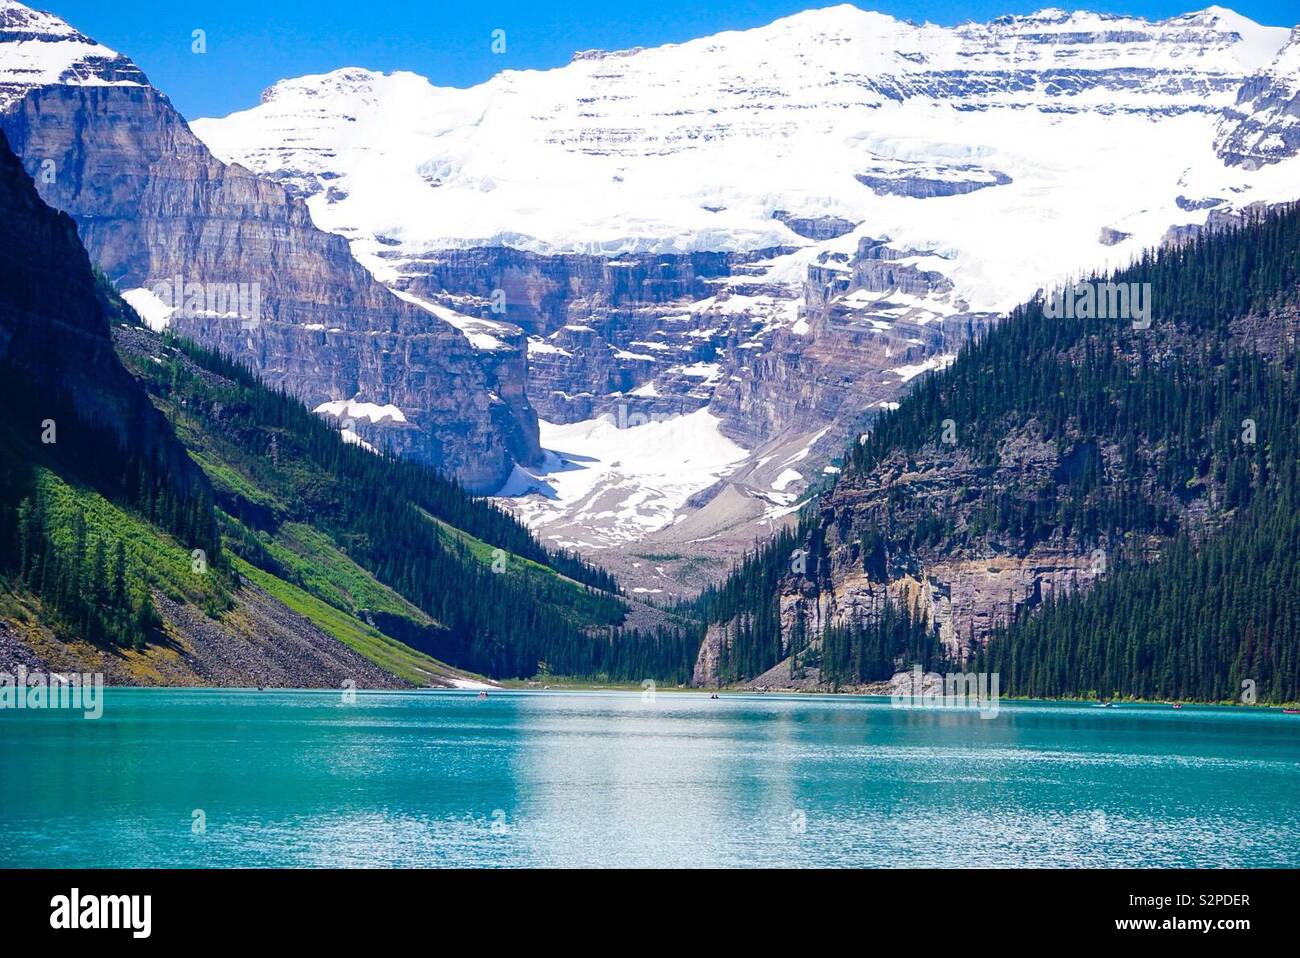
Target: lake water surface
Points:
(276, 778)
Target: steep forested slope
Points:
(1055, 455)
(1216, 622)
(70, 407)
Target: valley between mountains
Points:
(722, 363)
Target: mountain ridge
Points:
(781, 226)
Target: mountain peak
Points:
(1222, 13)
(357, 80)
(843, 13)
(21, 22)
(345, 91)
(39, 49)
(1220, 17)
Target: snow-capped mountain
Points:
(837, 112)
(41, 49)
(784, 225)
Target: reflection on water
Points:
(202, 777)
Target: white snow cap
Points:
(39, 49)
(1031, 124)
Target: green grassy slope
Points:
(389, 543)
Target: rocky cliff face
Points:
(631, 335)
(870, 322)
(772, 341)
(541, 293)
(963, 592)
(159, 213)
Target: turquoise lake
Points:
(277, 778)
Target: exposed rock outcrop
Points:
(871, 322)
(706, 664)
(921, 182)
(816, 227)
(599, 328)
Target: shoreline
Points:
(878, 691)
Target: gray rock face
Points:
(599, 328)
(816, 227)
(1264, 127)
(153, 205)
(919, 182)
(542, 292)
(866, 336)
(576, 370)
(1216, 219)
(1204, 203)
(963, 593)
(837, 377)
(659, 335)
(706, 663)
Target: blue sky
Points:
(253, 43)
